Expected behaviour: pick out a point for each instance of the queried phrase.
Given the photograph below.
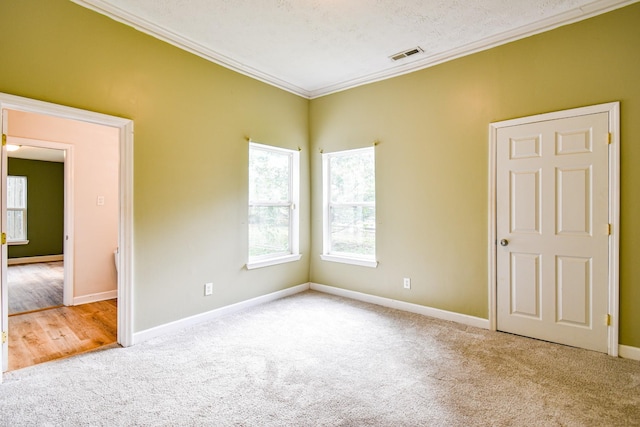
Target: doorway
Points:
(38, 185)
(554, 227)
(51, 213)
(123, 200)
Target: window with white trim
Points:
(16, 209)
(274, 190)
(350, 207)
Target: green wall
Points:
(432, 160)
(45, 207)
(191, 118)
(190, 170)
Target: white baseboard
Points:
(629, 352)
(405, 306)
(626, 352)
(35, 259)
(178, 325)
(102, 296)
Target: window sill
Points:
(17, 242)
(346, 260)
(273, 261)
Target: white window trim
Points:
(349, 260)
(327, 255)
(294, 226)
(17, 242)
(273, 261)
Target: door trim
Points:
(125, 216)
(613, 109)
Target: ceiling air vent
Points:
(406, 53)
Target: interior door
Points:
(552, 225)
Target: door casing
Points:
(125, 215)
(613, 110)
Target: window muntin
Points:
(16, 208)
(349, 199)
(273, 201)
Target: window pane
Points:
(16, 192)
(269, 230)
(353, 230)
(16, 208)
(15, 225)
(353, 178)
(268, 176)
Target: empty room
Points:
(389, 213)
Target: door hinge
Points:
(609, 138)
(608, 319)
(4, 139)
(4, 238)
(609, 229)
(4, 337)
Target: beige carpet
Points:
(320, 360)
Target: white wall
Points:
(96, 161)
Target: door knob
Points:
(504, 242)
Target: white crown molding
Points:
(588, 11)
(187, 44)
(592, 9)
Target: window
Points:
(350, 207)
(274, 176)
(17, 209)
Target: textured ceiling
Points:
(315, 47)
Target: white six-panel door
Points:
(552, 217)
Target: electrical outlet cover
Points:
(208, 289)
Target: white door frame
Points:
(125, 227)
(69, 235)
(613, 109)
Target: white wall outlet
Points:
(208, 289)
(407, 283)
(100, 201)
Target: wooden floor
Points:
(35, 286)
(60, 332)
